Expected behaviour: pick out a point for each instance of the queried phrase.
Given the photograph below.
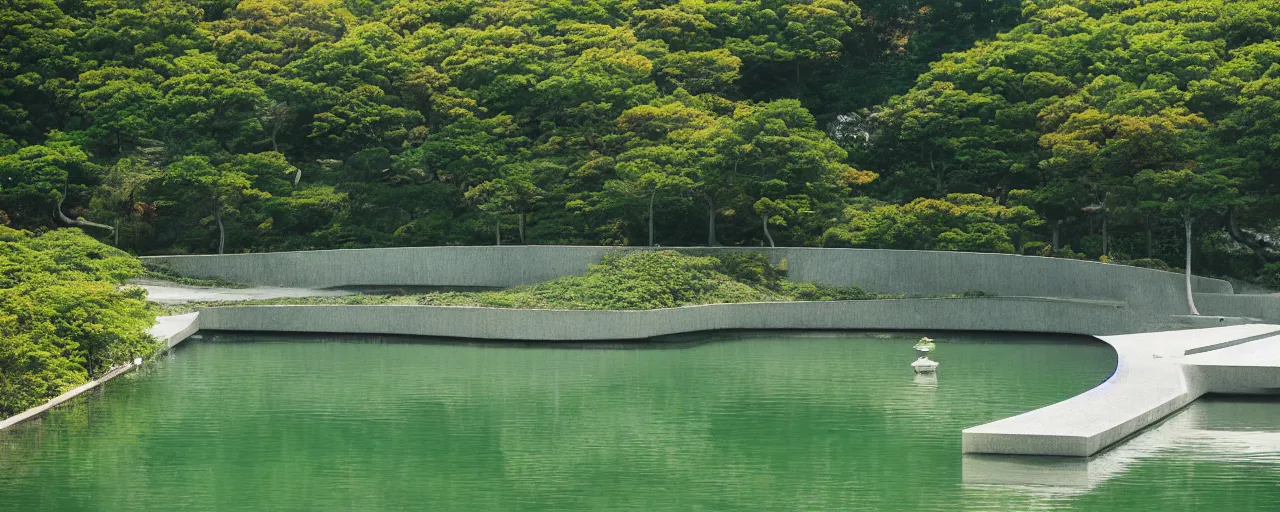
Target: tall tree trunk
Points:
(711, 223)
(497, 230)
(765, 223)
(275, 130)
(222, 234)
(522, 229)
(117, 233)
(1105, 249)
(77, 222)
(1191, 301)
(652, 195)
(1057, 226)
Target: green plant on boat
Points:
(925, 345)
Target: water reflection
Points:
(927, 380)
(1218, 429)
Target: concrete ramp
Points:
(1154, 377)
(171, 330)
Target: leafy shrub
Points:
(63, 316)
(977, 293)
(644, 280)
(1063, 252)
(1154, 263)
(814, 291)
(752, 268)
(1271, 275)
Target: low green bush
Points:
(1271, 276)
(64, 315)
(752, 268)
(814, 291)
(1154, 263)
(646, 280)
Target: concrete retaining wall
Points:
(885, 271)
(1264, 307)
(977, 314)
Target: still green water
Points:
(781, 422)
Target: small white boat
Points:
(924, 365)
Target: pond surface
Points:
(778, 422)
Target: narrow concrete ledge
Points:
(1018, 314)
(38, 410)
(1153, 379)
(1247, 434)
(169, 330)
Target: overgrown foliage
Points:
(1271, 276)
(63, 317)
(1120, 123)
(1107, 126)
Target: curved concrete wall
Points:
(885, 271)
(1264, 307)
(976, 314)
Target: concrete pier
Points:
(1156, 374)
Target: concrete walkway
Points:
(1156, 375)
(164, 292)
(1226, 431)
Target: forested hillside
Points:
(218, 125)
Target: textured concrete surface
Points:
(1152, 299)
(169, 293)
(172, 330)
(974, 314)
(1154, 377)
(884, 271)
(1263, 307)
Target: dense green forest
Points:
(1077, 128)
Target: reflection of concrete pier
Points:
(1222, 431)
(1156, 374)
